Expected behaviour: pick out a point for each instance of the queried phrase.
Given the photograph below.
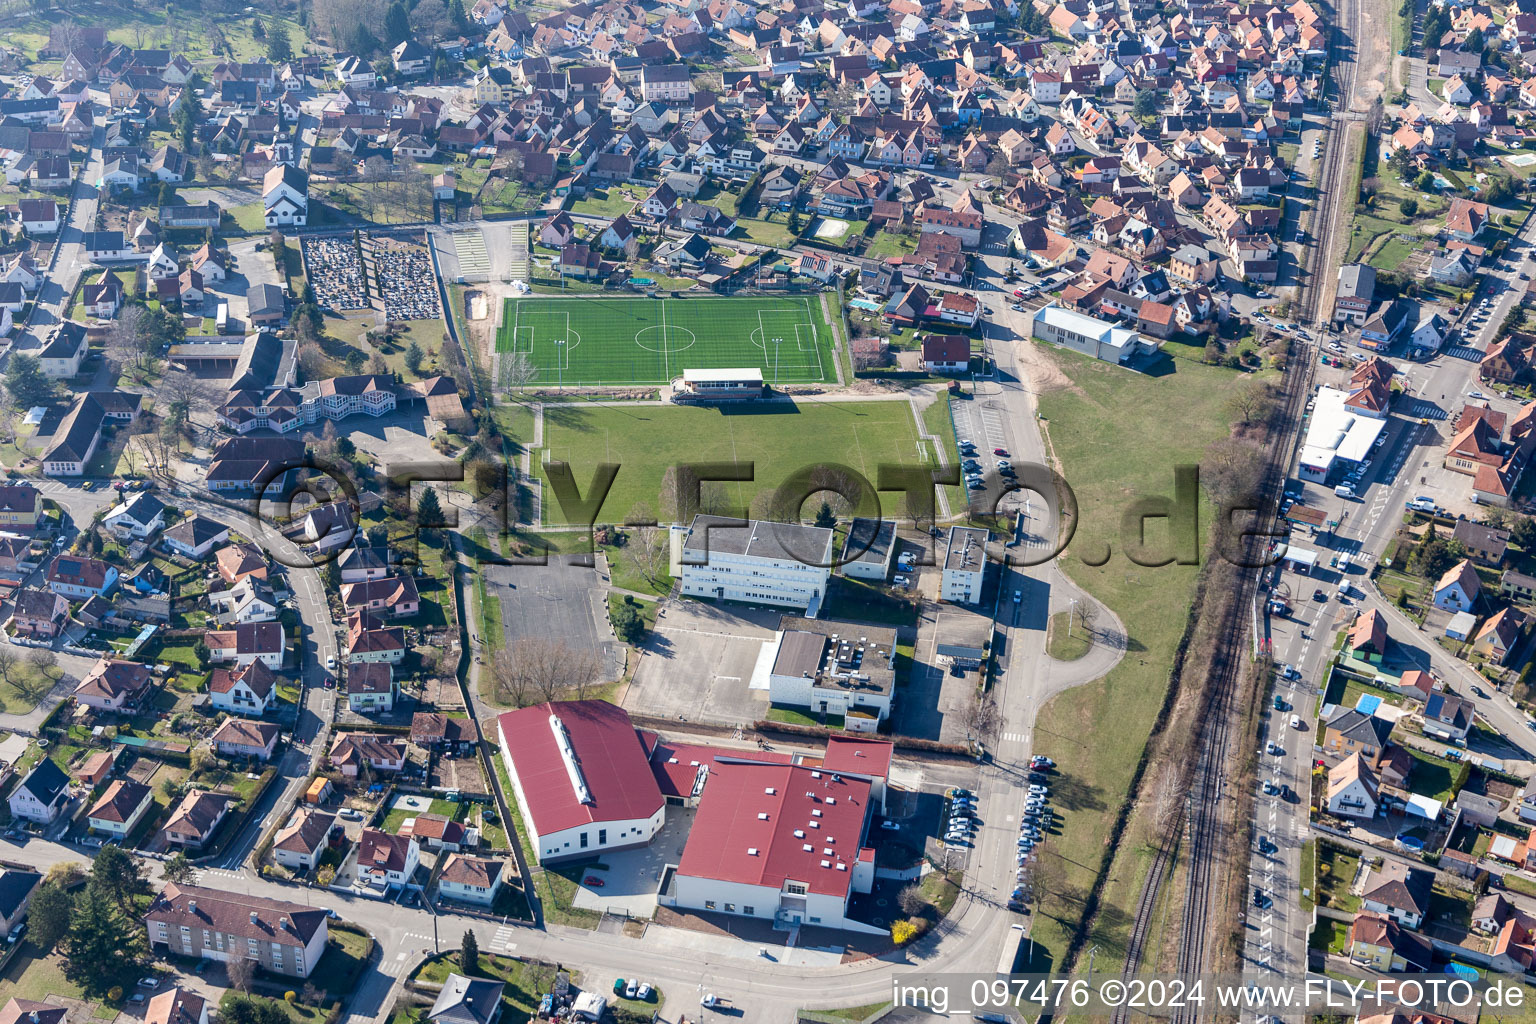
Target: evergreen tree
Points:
(178, 867)
(824, 517)
(119, 876)
(397, 24)
(628, 626)
(26, 382)
(258, 30)
(279, 44)
(48, 914)
(429, 511)
(104, 945)
(469, 954)
(413, 357)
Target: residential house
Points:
(192, 821)
(79, 578)
(246, 690)
(386, 862)
(114, 684)
(299, 844)
(120, 807)
(370, 687)
(42, 794)
(1458, 588)
(1353, 789)
(350, 752)
(1448, 717)
(469, 879)
(247, 642)
(244, 738)
(40, 614)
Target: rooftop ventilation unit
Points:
(572, 762)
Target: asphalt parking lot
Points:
(697, 664)
(629, 878)
(558, 601)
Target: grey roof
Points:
(1361, 728)
(967, 549)
(1357, 281)
(467, 1000)
(16, 886)
(46, 781)
(869, 540)
(265, 298)
(757, 538)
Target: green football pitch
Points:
(598, 340)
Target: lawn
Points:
(795, 716)
(886, 243)
(938, 421)
(652, 341)
(773, 233)
(1336, 869)
(1065, 645)
(33, 975)
(606, 203)
(556, 891)
(298, 1013)
(525, 982)
(778, 440)
(1097, 732)
(1434, 777)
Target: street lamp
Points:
(776, 343)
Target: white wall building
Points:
(965, 565)
(757, 563)
(777, 842)
(582, 778)
(832, 669)
(1089, 335)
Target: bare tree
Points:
(188, 397)
(517, 370)
(648, 554)
(7, 661)
(44, 660)
(509, 682)
(1168, 800)
(983, 715)
(430, 18)
(124, 342)
(1251, 401)
(911, 900)
(546, 669)
(241, 972)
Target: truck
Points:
(714, 1002)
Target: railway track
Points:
(1202, 820)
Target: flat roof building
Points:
(1336, 434)
(869, 549)
(832, 668)
(965, 565)
(757, 562)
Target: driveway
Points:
(629, 878)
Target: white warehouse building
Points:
(757, 563)
(1090, 335)
(582, 776)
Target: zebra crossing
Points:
(211, 874)
(503, 938)
(1427, 410)
(1014, 737)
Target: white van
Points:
(1344, 491)
(1343, 563)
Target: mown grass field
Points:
(778, 439)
